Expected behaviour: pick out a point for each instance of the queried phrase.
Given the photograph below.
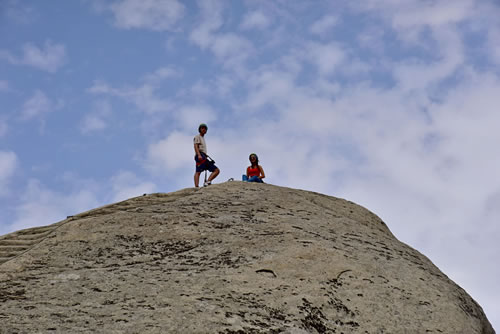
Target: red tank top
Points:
(253, 171)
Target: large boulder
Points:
(230, 258)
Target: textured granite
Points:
(230, 258)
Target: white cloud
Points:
(190, 116)
(8, 165)
(417, 13)
(229, 48)
(92, 123)
(4, 86)
(144, 97)
(38, 105)
(35, 106)
(126, 184)
(171, 153)
(255, 20)
(373, 38)
(211, 21)
(158, 15)
(269, 87)
(96, 120)
(160, 75)
(432, 13)
(100, 87)
(201, 88)
(410, 18)
(327, 57)
(49, 58)
(324, 24)
(419, 74)
(18, 12)
(222, 86)
(277, 94)
(494, 44)
(41, 206)
(4, 128)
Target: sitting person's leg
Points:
(254, 179)
(244, 178)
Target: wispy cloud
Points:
(433, 14)
(371, 39)
(327, 57)
(409, 19)
(8, 165)
(41, 205)
(144, 97)
(126, 185)
(92, 123)
(211, 21)
(97, 119)
(420, 74)
(255, 20)
(4, 128)
(229, 48)
(48, 58)
(160, 75)
(494, 44)
(171, 153)
(324, 24)
(38, 105)
(220, 86)
(158, 15)
(4, 86)
(18, 11)
(190, 116)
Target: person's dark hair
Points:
(256, 159)
(202, 125)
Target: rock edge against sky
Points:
(230, 258)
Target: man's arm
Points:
(197, 150)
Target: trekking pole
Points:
(205, 177)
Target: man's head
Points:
(202, 128)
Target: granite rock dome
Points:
(230, 258)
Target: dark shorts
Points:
(204, 164)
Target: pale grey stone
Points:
(230, 258)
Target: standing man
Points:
(203, 162)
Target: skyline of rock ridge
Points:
(230, 258)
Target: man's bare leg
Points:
(196, 179)
(213, 175)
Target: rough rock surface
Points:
(231, 258)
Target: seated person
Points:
(255, 173)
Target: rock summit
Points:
(232, 258)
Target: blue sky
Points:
(390, 104)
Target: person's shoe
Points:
(206, 184)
